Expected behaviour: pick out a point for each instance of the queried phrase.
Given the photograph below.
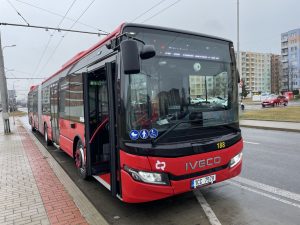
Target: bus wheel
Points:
(32, 127)
(48, 142)
(79, 160)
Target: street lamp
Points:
(8, 46)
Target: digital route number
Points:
(221, 145)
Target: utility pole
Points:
(238, 34)
(238, 48)
(3, 89)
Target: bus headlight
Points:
(235, 160)
(148, 177)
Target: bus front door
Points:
(54, 112)
(99, 108)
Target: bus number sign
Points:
(221, 145)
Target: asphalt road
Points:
(267, 191)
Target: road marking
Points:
(207, 209)
(264, 194)
(268, 188)
(253, 143)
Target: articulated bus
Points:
(149, 112)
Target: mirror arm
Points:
(115, 43)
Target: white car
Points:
(197, 100)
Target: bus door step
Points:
(104, 179)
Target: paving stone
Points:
(30, 192)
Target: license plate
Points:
(203, 181)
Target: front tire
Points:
(80, 161)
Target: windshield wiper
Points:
(154, 142)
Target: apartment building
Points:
(290, 58)
(255, 70)
(276, 73)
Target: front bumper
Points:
(137, 192)
(180, 181)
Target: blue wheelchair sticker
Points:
(153, 133)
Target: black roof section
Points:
(173, 30)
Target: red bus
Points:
(149, 112)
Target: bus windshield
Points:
(190, 79)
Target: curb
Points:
(271, 121)
(271, 128)
(87, 209)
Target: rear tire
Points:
(46, 137)
(32, 126)
(80, 161)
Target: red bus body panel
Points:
(134, 191)
(68, 134)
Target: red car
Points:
(273, 100)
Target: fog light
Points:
(148, 177)
(235, 160)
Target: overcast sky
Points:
(40, 53)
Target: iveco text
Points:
(202, 163)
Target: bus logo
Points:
(160, 165)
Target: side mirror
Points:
(130, 56)
(147, 52)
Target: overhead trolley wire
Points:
(65, 34)
(17, 12)
(159, 12)
(50, 38)
(63, 18)
(142, 14)
(57, 14)
(50, 28)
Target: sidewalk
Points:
(34, 189)
(271, 125)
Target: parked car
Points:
(197, 100)
(274, 100)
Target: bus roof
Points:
(81, 54)
(32, 87)
(115, 33)
(173, 30)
